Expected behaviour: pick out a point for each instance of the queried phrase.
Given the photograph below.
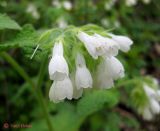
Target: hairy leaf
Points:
(25, 39)
(7, 23)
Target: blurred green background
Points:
(108, 110)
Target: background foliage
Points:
(24, 95)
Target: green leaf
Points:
(87, 105)
(7, 23)
(95, 101)
(26, 39)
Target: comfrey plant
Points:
(84, 57)
(147, 98)
(153, 106)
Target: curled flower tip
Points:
(58, 67)
(88, 40)
(83, 78)
(61, 90)
(123, 41)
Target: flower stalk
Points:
(25, 76)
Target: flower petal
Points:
(58, 49)
(61, 90)
(114, 67)
(58, 68)
(83, 78)
(123, 41)
(88, 43)
(103, 80)
(147, 114)
(155, 107)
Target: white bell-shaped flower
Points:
(149, 91)
(108, 46)
(147, 114)
(77, 93)
(61, 90)
(99, 45)
(123, 41)
(88, 43)
(114, 67)
(83, 78)
(58, 67)
(155, 106)
(103, 80)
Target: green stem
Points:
(17, 68)
(25, 76)
(39, 84)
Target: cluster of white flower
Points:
(109, 69)
(153, 106)
(32, 9)
(65, 4)
(134, 2)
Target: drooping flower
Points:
(149, 91)
(108, 46)
(103, 80)
(109, 70)
(153, 106)
(147, 114)
(98, 45)
(58, 67)
(123, 41)
(83, 78)
(114, 67)
(77, 93)
(61, 90)
(88, 43)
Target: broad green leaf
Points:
(95, 101)
(7, 23)
(26, 39)
(70, 118)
